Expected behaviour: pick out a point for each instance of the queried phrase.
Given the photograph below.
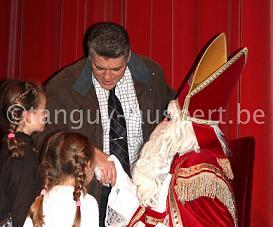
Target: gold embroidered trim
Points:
(225, 165)
(137, 217)
(199, 121)
(216, 74)
(196, 169)
(206, 184)
(153, 221)
(176, 218)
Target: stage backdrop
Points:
(38, 38)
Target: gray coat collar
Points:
(137, 68)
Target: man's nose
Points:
(107, 74)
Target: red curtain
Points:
(40, 37)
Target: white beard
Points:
(168, 138)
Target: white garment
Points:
(122, 201)
(163, 194)
(59, 209)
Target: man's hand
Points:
(106, 167)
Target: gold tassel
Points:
(225, 165)
(206, 184)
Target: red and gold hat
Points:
(212, 82)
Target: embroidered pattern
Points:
(196, 169)
(153, 221)
(225, 165)
(137, 217)
(216, 74)
(174, 211)
(113, 218)
(206, 184)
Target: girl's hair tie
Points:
(11, 135)
(78, 203)
(43, 192)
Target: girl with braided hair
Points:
(67, 167)
(22, 113)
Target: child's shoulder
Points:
(89, 198)
(89, 211)
(89, 202)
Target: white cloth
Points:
(122, 201)
(59, 209)
(125, 91)
(163, 194)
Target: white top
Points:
(125, 91)
(59, 209)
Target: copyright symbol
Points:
(14, 113)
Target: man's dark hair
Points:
(108, 40)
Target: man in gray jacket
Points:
(78, 99)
